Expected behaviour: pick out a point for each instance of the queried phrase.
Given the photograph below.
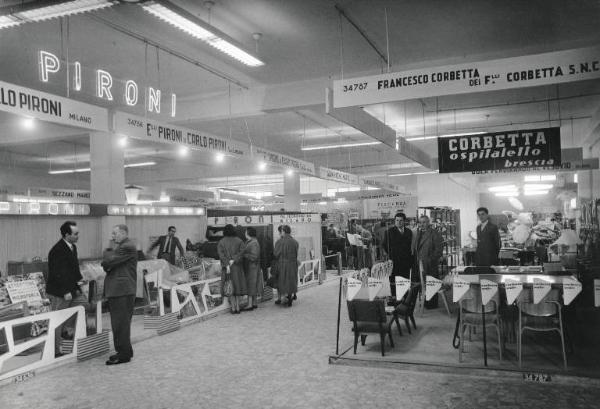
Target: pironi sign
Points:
(534, 149)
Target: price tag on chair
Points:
(541, 288)
(375, 285)
(596, 293)
(432, 286)
(459, 288)
(402, 286)
(488, 290)
(354, 287)
(571, 288)
(513, 290)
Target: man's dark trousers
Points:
(121, 312)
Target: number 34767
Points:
(354, 87)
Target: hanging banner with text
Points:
(534, 149)
(337, 175)
(506, 73)
(52, 108)
(368, 182)
(284, 161)
(139, 127)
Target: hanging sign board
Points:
(51, 108)
(523, 150)
(541, 289)
(432, 286)
(284, 161)
(44, 209)
(488, 290)
(375, 285)
(296, 218)
(25, 290)
(139, 127)
(354, 287)
(369, 182)
(459, 288)
(506, 73)
(571, 288)
(390, 203)
(596, 293)
(138, 210)
(513, 290)
(402, 287)
(337, 175)
(246, 220)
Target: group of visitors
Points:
(241, 271)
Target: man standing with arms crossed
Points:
(120, 264)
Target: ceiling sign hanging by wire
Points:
(283, 161)
(337, 175)
(147, 129)
(506, 73)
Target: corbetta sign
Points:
(105, 88)
(516, 72)
(534, 149)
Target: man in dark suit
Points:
(62, 285)
(166, 246)
(428, 250)
(488, 240)
(120, 264)
(397, 243)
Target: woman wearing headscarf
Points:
(231, 253)
(286, 252)
(252, 267)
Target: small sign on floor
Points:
(24, 377)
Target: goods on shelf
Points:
(447, 222)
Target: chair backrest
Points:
(410, 300)
(472, 301)
(369, 311)
(548, 307)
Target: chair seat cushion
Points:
(373, 327)
(540, 323)
(476, 319)
(402, 309)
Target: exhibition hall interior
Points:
(356, 189)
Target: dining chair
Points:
(406, 308)
(369, 317)
(546, 316)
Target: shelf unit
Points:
(446, 221)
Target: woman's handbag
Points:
(227, 285)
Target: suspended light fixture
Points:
(81, 170)
(132, 193)
(342, 145)
(191, 25)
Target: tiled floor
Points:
(273, 357)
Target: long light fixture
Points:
(81, 170)
(421, 138)
(53, 11)
(539, 178)
(535, 192)
(179, 18)
(507, 194)
(505, 188)
(413, 173)
(449, 135)
(538, 186)
(341, 145)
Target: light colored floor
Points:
(273, 357)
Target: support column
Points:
(291, 190)
(107, 178)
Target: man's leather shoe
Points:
(113, 357)
(117, 361)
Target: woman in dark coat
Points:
(231, 253)
(286, 252)
(252, 267)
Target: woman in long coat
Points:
(231, 254)
(286, 252)
(252, 267)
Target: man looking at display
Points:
(488, 240)
(120, 264)
(397, 243)
(427, 250)
(167, 244)
(64, 276)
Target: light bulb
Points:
(28, 123)
(262, 165)
(183, 151)
(220, 157)
(123, 142)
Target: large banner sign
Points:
(284, 161)
(337, 175)
(506, 73)
(143, 128)
(52, 108)
(533, 149)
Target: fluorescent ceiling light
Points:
(548, 178)
(535, 192)
(538, 186)
(532, 178)
(342, 145)
(507, 194)
(421, 138)
(194, 29)
(322, 203)
(414, 173)
(502, 188)
(81, 170)
(575, 178)
(539, 178)
(59, 10)
(448, 135)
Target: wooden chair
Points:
(545, 316)
(406, 308)
(369, 317)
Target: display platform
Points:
(430, 344)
